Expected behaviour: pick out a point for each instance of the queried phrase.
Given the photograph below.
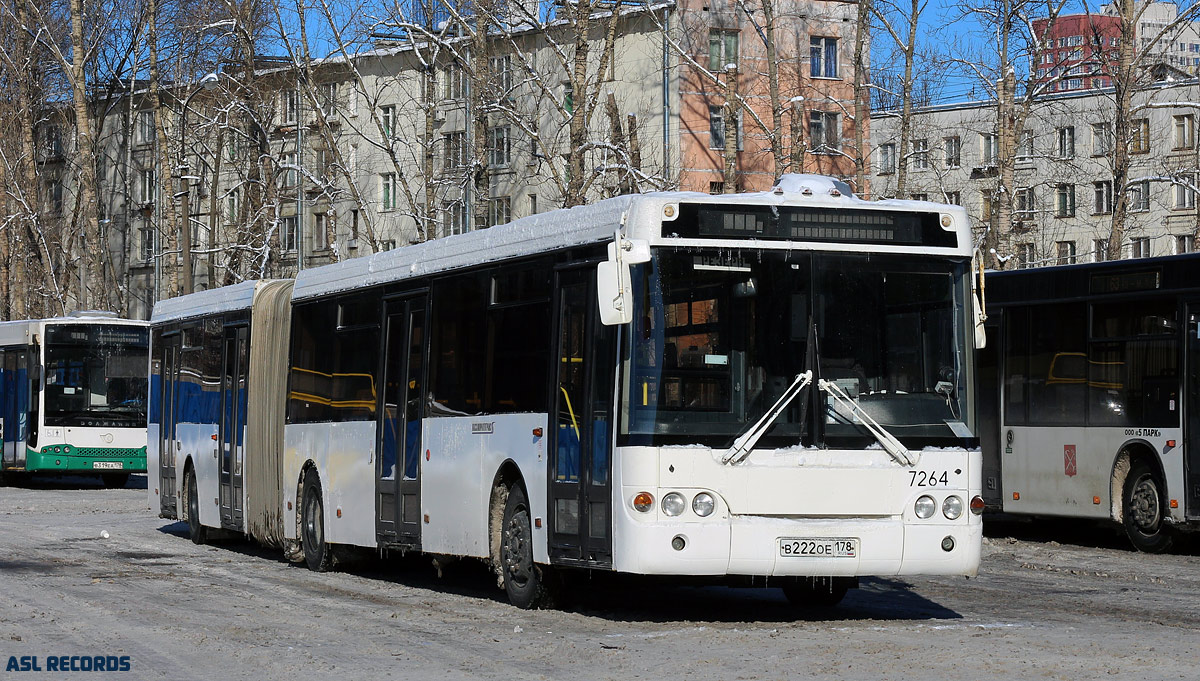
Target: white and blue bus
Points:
(73, 396)
(775, 386)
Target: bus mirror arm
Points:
(613, 288)
(979, 298)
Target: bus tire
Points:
(525, 582)
(317, 553)
(816, 592)
(115, 480)
(1143, 512)
(196, 532)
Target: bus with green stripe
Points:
(73, 396)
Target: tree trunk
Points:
(862, 97)
(92, 252)
(729, 113)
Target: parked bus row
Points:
(771, 388)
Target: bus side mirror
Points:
(614, 292)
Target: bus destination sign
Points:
(794, 223)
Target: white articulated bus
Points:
(774, 385)
(73, 396)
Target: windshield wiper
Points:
(745, 442)
(893, 446)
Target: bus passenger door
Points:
(167, 448)
(398, 467)
(581, 426)
(232, 427)
(1191, 422)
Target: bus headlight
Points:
(673, 504)
(925, 507)
(644, 501)
(703, 504)
(952, 507)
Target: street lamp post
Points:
(208, 82)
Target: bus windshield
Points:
(96, 375)
(718, 337)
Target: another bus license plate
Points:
(108, 464)
(818, 547)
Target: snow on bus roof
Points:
(558, 229)
(565, 228)
(224, 299)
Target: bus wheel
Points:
(1143, 512)
(524, 582)
(115, 480)
(197, 532)
(317, 555)
(816, 592)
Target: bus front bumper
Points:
(751, 545)
(91, 460)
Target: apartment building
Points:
(289, 168)
(1064, 193)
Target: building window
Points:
(146, 241)
(1185, 192)
(1183, 244)
(454, 84)
(987, 206)
(1026, 256)
(1065, 199)
(327, 96)
(715, 188)
(954, 198)
(920, 154)
(289, 103)
(232, 208)
(1066, 142)
(1140, 247)
(319, 233)
(533, 204)
(823, 57)
(1023, 203)
(288, 175)
(502, 75)
(887, 158)
(454, 218)
(388, 186)
(1139, 196)
(147, 186)
(455, 150)
(387, 119)
(288, 228)
(499, 210)
(824, 135)
(1139, 142)
(1066, 252)
(716, 128)
(919, 196)
(499, 146)
(953, 147)
(722, 49)
(1184, 136)
(233, 146)
(1099, 250)
(145, 128)
(987, 142)
(1103, 197)
(1102, 139)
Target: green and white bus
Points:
(73, 396)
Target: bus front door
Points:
(233, 421)
(167, 445)
(1191, 423)
(398, 467)
(581, 426)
